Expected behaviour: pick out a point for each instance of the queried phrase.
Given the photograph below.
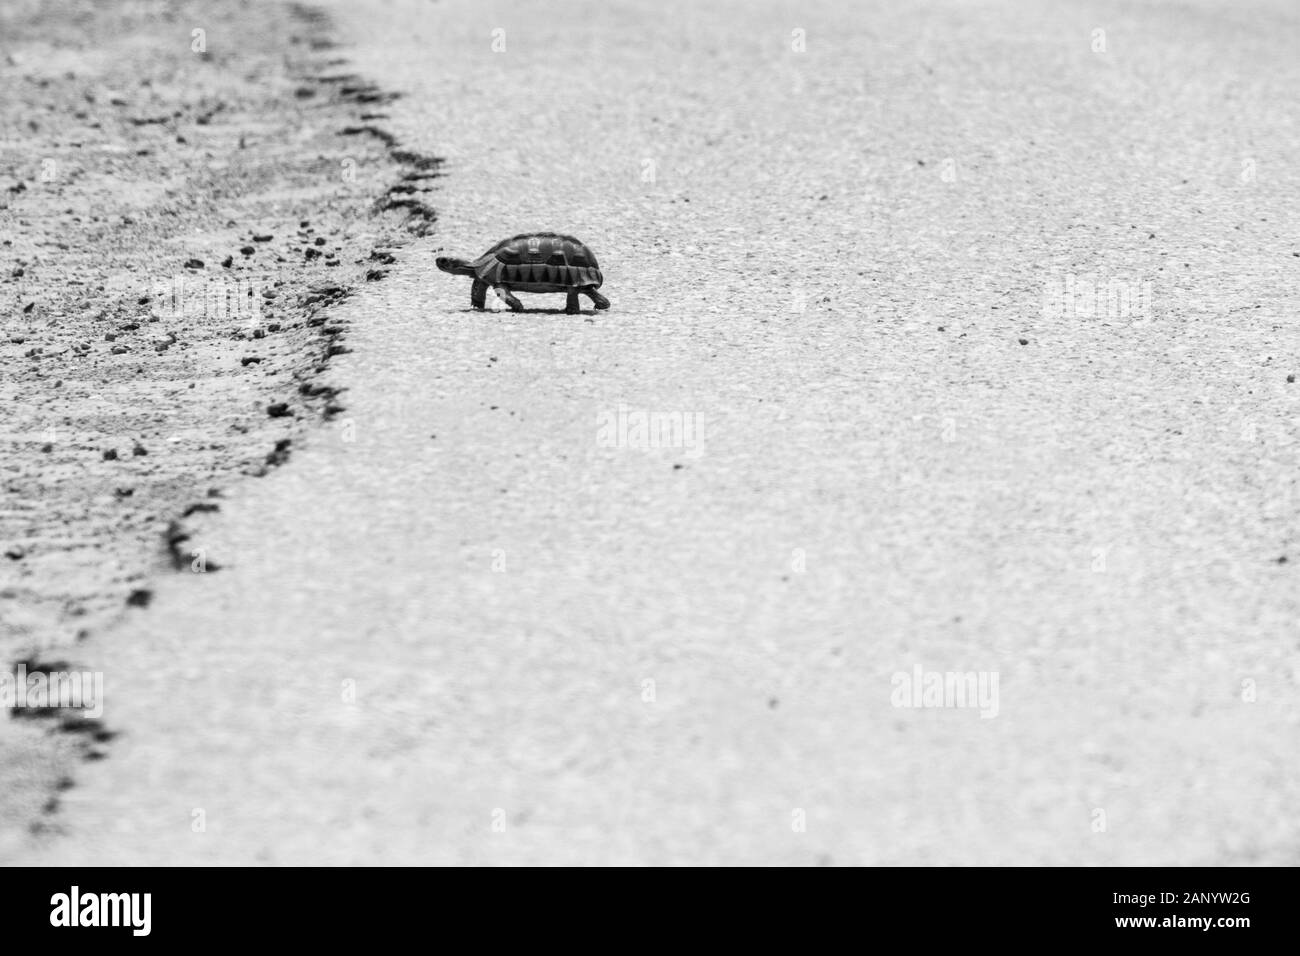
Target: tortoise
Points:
(532, 262)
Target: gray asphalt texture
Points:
(459, 628)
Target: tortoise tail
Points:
(457, 267)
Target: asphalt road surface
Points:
(479, 620)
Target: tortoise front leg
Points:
(571, 303)
(478, 294)
(510, 300)
(599, 300)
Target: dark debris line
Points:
(132, 439)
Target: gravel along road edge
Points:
(186, 191)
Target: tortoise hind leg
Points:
(571, 303)
(599, 300)
(508, 296)
(478, 294)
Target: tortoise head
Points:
(457, 267)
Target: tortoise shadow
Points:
(475, 311)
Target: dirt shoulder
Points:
(185, 190)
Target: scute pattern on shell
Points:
(539, 258)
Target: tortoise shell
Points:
(539, 262)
